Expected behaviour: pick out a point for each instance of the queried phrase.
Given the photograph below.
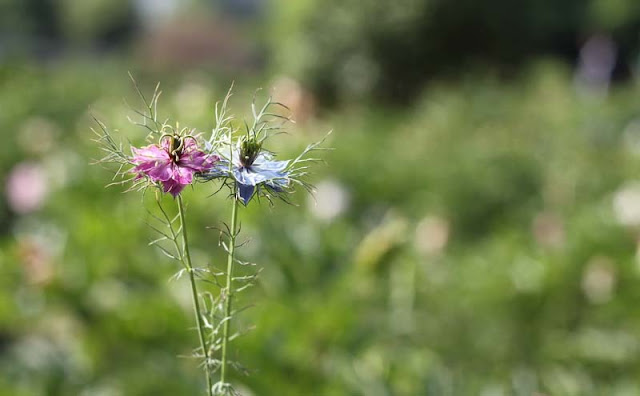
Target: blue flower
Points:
(252, 169)
(244, 166)
(264, 171)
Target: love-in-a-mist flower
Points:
(252, 168)
(173, 162)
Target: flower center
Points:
(249, 149)
(175, 147)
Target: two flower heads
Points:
(179, 158)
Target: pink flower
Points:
(27, 187)
(173, 163)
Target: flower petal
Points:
(270, 170)
(145, 167)
(278, 185)
(198, 161)
(245, 192)
(148, 153)
(182, 175)
(189, 144)
(264, 162)
(172, 187)
(242, 176)
(160, 172)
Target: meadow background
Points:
(475, 231)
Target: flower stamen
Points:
(250, 147)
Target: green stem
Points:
(228, 292)
(186, 257)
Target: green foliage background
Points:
(533, 290)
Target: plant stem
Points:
(228, 292)
(186, 257)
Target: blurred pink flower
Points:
(26, 188)
(173, 163)
(292, 94)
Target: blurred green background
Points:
(474, 232)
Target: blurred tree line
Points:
(390, 49)
(45, 28)
(354, 48)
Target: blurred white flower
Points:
(155, 12)
(432, 235)
(27, 187)
(599, 279)
(331, 200)
(631, 136)
(626, 204)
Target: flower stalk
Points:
(186, 259)
(228, 290)
(228, 287)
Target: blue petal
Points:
(269, 174)
(219, 170)
(265, 163)
(278, 185)
(244, 176)
(245, 192)
(255, 175)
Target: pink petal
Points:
(149, 153)
(161, 172)
(199, 161)
(189, 145)
(155, 162)
(182, 175)
(145, 167)
(166, 144)
(172, 187)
